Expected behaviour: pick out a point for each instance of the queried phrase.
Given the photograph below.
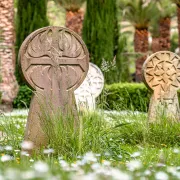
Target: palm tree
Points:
(74, 14)
(177, 2)
(154, 29)
(166, 12)
(8, 83)
(139, 13)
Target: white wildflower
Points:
(27, 145)
(18, 126)
(75, 167)
(41, 167)
(120, 156)
(177, 174)
(97, 155)
(63, 164)
(106, 163)
(12, 173)
(1, 148)
(17, 150)
(8, 148)
(135, 154)
(89, 157)
(171, 170)
(176, 151)
(160, 165)
(1, 177)
(147, 172)
(134, 165)
(95, 166)
(161, 176)
(28, 175)
(48, 151)
(79, 157)
(107, 154)
(118, 175)
(24, 153)
(6, 157)
(89, 176)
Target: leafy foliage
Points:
(23, 98)
(125, 96)
(138, 12)
(71, 5)
(101, 35)
(165, 8)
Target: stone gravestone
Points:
(54, 62)
(90, 89)
(161, 73)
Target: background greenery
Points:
(31, 15)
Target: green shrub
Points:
(23, 98)
(122, 96)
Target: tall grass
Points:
(164, 132)
(71, 136)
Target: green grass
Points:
(115, 140)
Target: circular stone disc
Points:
(52, 52)
(161, 71)
(93, 83)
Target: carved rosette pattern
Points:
(54, 62)
(90, 89)
(161, 73)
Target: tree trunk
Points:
(140, 46)
(74, 21)
(155, 44)
(164, 29)
(178, 16)
(8, 83)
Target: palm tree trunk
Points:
(140, 46)
(155, 44)
(74, 21)
(164, 29)
(8, 83)
(178, 16)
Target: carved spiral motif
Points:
(162, 71)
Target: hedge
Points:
(123, 96)
(23, 98)
(120, 96)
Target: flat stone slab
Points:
(90, 89)
(54, 62)
(161, 73)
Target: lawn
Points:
(106, 145)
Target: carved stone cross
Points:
(90, 89)
(54, 62)
(161, 72)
